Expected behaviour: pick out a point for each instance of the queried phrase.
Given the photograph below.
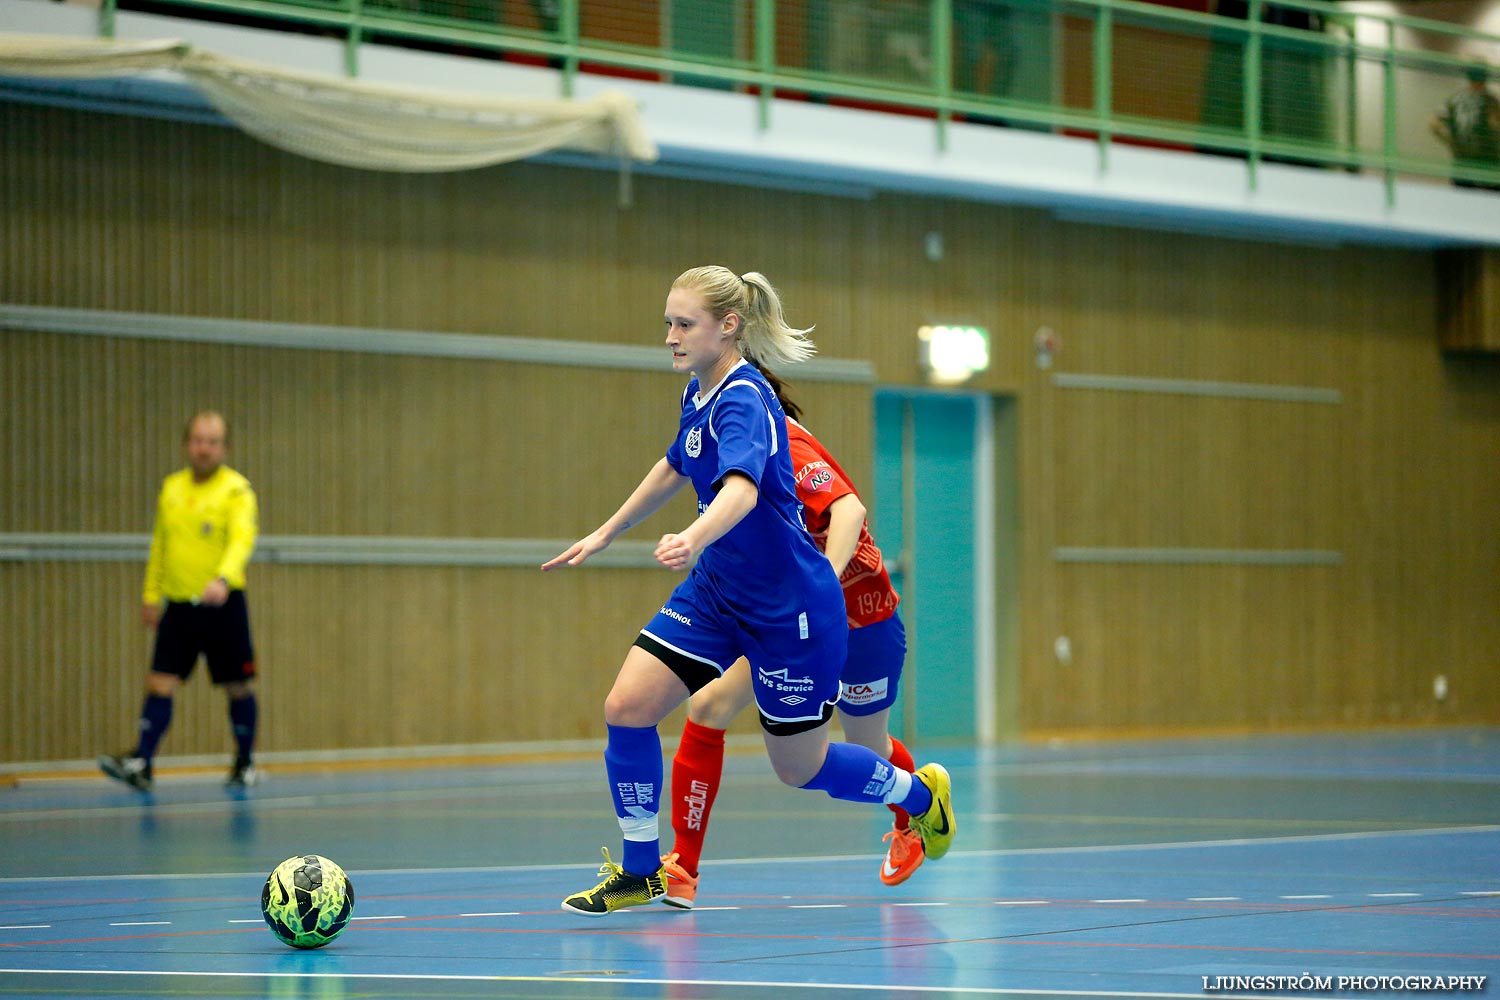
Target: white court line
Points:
(782, 987)
(323, 799)
(1175, 845)
(832, 859)
(814, 906)
(161, 809)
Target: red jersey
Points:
(868, 594)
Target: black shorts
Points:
(220, 634)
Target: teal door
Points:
(932, 513)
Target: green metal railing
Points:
(1299, 81)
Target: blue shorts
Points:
(794, 665)
(872, 673)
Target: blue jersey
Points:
(766, 570)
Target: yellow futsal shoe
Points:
(618, 890)
(936, 825)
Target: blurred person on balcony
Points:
(1468, 123)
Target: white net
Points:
(351, 122)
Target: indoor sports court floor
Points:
(1126, 869)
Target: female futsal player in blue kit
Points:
(759, 588)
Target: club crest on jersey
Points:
(694, 444)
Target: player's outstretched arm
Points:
(659, 486)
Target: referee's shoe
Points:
(242, 775)
(133, 771)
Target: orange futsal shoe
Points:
(903, 858)
(682, 888)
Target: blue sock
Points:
(858, 774)
(242, 715)
(918, 799)
(156, 716)
(632, 759)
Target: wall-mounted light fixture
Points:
(950, 355)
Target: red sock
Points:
(696, 771)
(902, 758)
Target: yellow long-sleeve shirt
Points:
(203, 531)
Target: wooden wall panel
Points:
(1469, 299)
(335, 443)
(118, 213)
(1374, 477)
(1470, 562)
(340, 443)
(348, 657)
(1175, 471)
(72, 654)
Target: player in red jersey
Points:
(835, 517)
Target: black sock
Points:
(156, 716)
(242, 716)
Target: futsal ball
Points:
(307, 901)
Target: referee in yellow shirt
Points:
(206, 523)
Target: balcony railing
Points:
(1295, 81)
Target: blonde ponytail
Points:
(765, 337)
(768, 338)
